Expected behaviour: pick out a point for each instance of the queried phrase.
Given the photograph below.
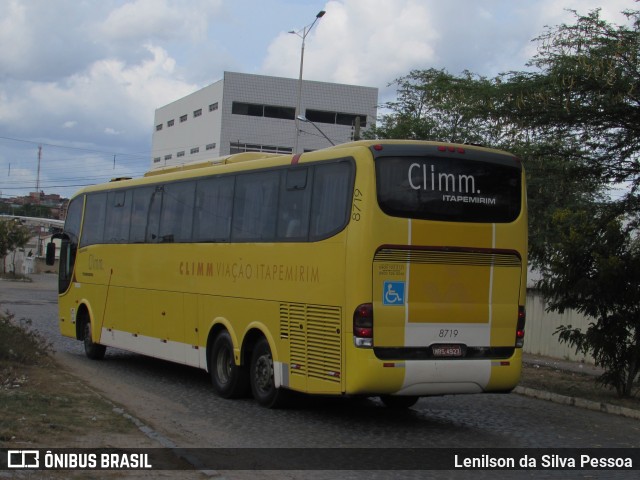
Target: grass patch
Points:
(573, 384)
(41, 404)
(20, 344)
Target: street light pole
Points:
(305, 32)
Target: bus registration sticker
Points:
(393, 293)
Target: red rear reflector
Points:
(377, 147)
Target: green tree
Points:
(584, 92)
(13, 235)
(595, 269)
(435, 105)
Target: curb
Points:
(578, 402)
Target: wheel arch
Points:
(219, 325)
(83, 315)
(255, 332)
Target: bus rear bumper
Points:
(435, 377)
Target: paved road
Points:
(178, 402)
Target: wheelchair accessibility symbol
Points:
(393, 293)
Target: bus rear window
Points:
(449, 189)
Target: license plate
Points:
(447, 350)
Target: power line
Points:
(21, 140)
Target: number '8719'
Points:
(355, 209)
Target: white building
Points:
(244, 112)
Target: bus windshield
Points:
(449, 189)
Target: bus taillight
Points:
(522, 316)
(363, 326)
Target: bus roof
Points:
(250, 160)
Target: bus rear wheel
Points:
(229, 380)
(399, 402)
(94, 351)
(262, 382)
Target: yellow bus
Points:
(375, 268)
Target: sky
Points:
(82, 78)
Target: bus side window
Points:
(213, 209)
(255, 206)
(295, 204)
(139, 212)
(94, 219)
(118, 216)
(177, 212)
(330, 204)
(153, 216)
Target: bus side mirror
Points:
(51, 253)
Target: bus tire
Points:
(229, 380)
(92, 350)
(399, 402)
(262, 380)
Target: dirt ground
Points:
(45, 406)
(573, 384)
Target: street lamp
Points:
(302, 118)
(305, 31)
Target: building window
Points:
(270, 111)
(197, 113)
(168, 157)
(195, 150)
(180, 154)
(213, 107)
(287, 113)
(183, 118)
(250, 109)
(170, 123)
(237, 147)
(158, 127)
(338, 118)
(156, 159)
(211, 146)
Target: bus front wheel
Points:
(94, 351)
(263, 385)
(229, 380)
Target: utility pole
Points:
(38, 176)
(356, 129)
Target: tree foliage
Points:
(574, 119)
(595, 270)
(13, 235)
(586, 87)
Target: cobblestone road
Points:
(178, 403)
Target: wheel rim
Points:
(223, 366)
(264, 374)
